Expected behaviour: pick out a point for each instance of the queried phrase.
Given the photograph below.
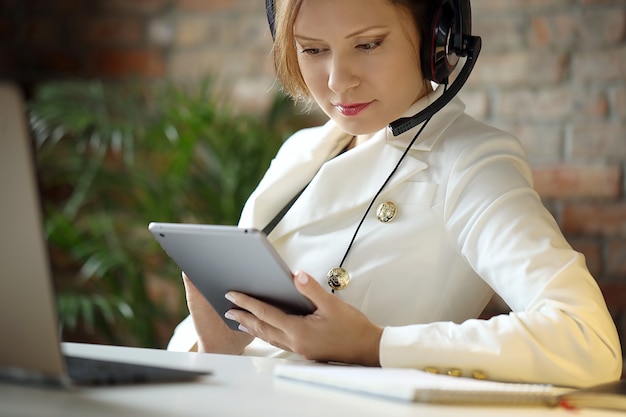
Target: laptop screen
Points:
(30, 346)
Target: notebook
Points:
(30, 347)
(413, 385)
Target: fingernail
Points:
(230, 316)
(302, 277)
(229, 297)
(243, 329)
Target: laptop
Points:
(30, 344)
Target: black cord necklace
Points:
(338, 278)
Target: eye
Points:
(369, 46)
(312, 51)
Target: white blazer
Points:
(468, 223)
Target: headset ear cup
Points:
(270, 11)
(438, 56)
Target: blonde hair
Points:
(285, 53)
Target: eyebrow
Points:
(351, 35)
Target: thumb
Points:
(311, 289)
(191, 292)
(188, 284)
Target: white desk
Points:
(239, 386)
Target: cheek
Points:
(314, 78)
(407, 82)
(406, 71)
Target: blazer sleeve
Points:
(559, 330)
(184, 338)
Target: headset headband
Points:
(270, 10)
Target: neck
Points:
(359, 140)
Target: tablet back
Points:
(218, 259)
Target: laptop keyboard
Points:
(89, 371)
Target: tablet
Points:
(219, 259)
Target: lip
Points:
(351, 109)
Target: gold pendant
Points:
(386, 212)
(338, 278)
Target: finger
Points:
(200, 309)
(259, 309)
(260, 319)
(253, 326)
(213, 334)
(191, 292)
(312, 290)
(186, 280)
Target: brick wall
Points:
(111, 39)
(551, 71)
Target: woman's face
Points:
(359, 59)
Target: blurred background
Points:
(168, 110)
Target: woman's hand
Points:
(214, 335)
(336, 331)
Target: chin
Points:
(355, 127)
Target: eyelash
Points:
(311, 51)
(370, 46)
(365, 47)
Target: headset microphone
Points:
(407, 123)
(450, 37)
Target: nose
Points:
(342, 75)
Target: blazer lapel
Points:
(296, 163)
(348, 181)
(345, 182)
(352, 179)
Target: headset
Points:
(449, 39)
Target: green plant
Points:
(112, 158)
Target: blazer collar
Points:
(435, 127)
(346, 181)
(349, 182)
(298, 160)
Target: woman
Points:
(451, 222)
